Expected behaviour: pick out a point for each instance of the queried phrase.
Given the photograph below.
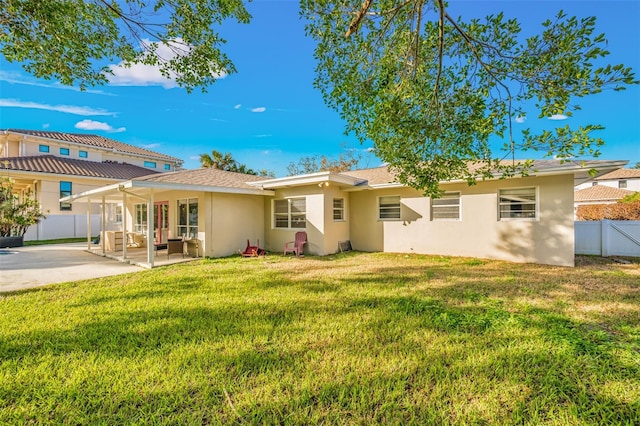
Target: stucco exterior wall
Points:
(549, 239)
(232, 219)
(49, 194)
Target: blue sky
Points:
(268, 114)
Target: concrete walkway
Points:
(35, 266)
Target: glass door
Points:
(161, 221)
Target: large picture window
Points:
(290, 213)
(140, 218)
(188, 218)
(446, 207)
(517, 203)
(389, 208)
(65, 191)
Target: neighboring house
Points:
(55, 164)
(628, 179)
(523, 219)
(599, 194)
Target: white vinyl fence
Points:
(608, 237)
(63, 226)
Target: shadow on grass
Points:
(433, 343)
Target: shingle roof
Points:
(382, 175)
(206, 176)
(621, 174)
(600, 193)
(94, 140)
(73, 167)
(373, 176)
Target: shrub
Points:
(17, 213)
(618, 211)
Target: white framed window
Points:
(622, 184)
(338, 209)
(290, 213)
(389, 208)
(150, 164)
(517, 203)
(188, 218)
(446, 207)
(140, 218)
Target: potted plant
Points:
(17, 214)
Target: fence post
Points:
(604, 237)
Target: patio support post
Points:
(103, 224)
(89, 224)
(124, 226)
(150, 242)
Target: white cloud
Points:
(45, 125)
(258, 109)
(263, 136)
(69, 109)
(556, 117)
(16, 78)
(98, 125)
(237, 106)
(521, 119)
(149, 75)
(152, 145)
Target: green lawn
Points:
(345, 339)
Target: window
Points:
(167, 166)
(82, 154)
(389, 208)
(622, 184)
(338, 209)
(43, 148)
(140, 218)
(446, 207)
(517, 203)
(65, 191)
(594, 183)
(118, 214)
(290, 213)
(188, 218)
(150, 164)
(64, 151)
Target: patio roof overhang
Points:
(113, 193)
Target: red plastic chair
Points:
(296, 246)
(252, 251)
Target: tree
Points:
(430, 90)
(67, 39)
(322, 163)
(17, 213)
(218, 160)
(637, 165)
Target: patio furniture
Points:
(175, 246)
(296, 246)
(252, 251)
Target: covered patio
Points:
(141, 220)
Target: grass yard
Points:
(347, 339)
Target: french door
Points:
(161, 221)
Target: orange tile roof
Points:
(73, 167)
(93, 140)
(206, 176)
(600, 193)
(621, 174)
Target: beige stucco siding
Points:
(479, 233)
(232, 219)
(277, 237)
(49, 194)
(323, 233)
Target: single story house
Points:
(519, 219)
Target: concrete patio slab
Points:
(35, 266)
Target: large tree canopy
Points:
(430, 90)
(69, 40)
